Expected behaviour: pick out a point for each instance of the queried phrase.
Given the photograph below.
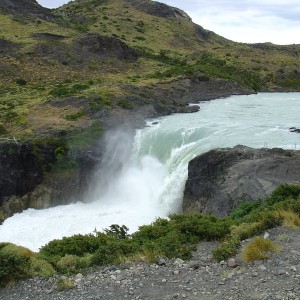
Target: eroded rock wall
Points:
(222, 178)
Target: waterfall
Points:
(143, 172)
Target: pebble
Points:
(281, 272)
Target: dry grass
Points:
(258, 248)
(290, 219)
(65, 284)
(147, 255)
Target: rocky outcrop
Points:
(159, 9)
(26, 8)
(107, 46)
(32, 176)
(222, 178)
(87, 48)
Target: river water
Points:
(144, 175)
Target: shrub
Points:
(258, 248)
(227, 249)
(3, 131)
(61, 91)
(40, 267)
(282, 193)
(68, 263)
(113, 250)
(21, 81)
(75, 245)
(75, 116)
(117, 231)
(14, 262)
(125, 104)
(244, 209)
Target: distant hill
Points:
(65, 68)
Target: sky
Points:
(248, 21)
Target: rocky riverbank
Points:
(199, 278)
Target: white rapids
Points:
(143, 176)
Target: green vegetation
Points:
(253, 219)
(125, 104)
(18, 262)
(176, 236)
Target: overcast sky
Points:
(250, 21)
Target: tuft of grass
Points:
(290, 219)
(258, 248)
(65, 284)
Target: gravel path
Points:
(199, 278)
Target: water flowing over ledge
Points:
(143, 176)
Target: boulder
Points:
(222, 178)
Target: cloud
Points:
(247, 21)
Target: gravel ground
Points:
(199, 278)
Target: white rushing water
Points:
(143, 176)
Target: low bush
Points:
(75, 116)
(21, 81)
(75, 245)
(125, 104)
(40, 267)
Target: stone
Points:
(281, 272)
(231, 263)
(78, 276)
(194, 265)
(178, 262)
(162, 262)
(262, 268)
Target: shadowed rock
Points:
(222, 178)
(159, 9)
(26, 8)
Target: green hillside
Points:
(58, 68)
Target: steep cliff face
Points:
(222, 178)
(39, 176)
(21, 168)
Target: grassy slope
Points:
(171, 48)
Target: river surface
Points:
(144, 175)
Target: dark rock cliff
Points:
(26, 8)
(159, 9)
(222, 178)
(31, 176)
